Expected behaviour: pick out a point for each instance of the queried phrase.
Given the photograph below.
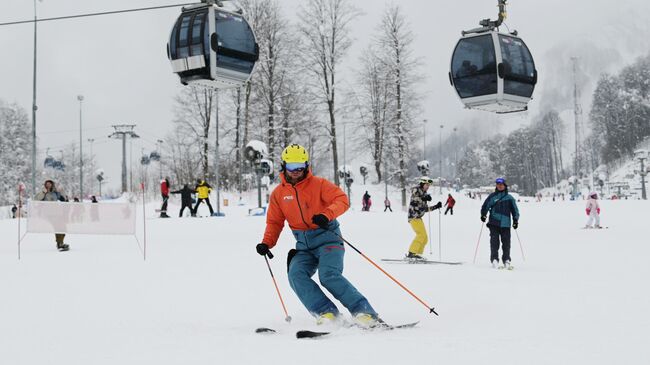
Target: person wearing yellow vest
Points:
(203, 190)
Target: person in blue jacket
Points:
(501, 206)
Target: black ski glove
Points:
(515, 224)
(483, 218)
(262, 249)
(320, 220)
(438, 206)
(427, 198)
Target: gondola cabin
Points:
(493, 71)
(212, 47)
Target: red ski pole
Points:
(277, 289)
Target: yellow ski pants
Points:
(420, 240)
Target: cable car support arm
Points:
(487, 24)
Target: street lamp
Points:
(158, 148)
(34, 108)
(641, 156)
(440, 157)
(455, 152)
(81, 155)
(92, 166)
(424, 142)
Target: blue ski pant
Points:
(327, 259)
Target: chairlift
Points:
(144, 160)
(49, 161)
(493, 71)
(154, 156)
(212, 47)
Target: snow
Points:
(197, 299)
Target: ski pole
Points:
(431, 309)
(439, 235)
(520, 246)
(477, 243)
(277, 289)
(430, 244)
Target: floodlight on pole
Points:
(81, 155)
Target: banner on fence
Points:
(81, 218)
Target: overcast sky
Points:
(119, 62)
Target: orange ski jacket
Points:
(297, 204)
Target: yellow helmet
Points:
(295, 153)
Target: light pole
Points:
(424, 139)
(159, 148)
(81, 155)
(641, 156)
(34, 108)
(455, 152)
(440, 157)
(92, 167)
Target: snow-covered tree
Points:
(15, 152)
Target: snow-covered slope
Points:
(579, 297)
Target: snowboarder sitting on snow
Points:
(51, 194)
(186, 199)
(450, 204)
(501, 206)
(310, 205)
(417, 208)
(164, 192)
(203, 190)
(593, 211)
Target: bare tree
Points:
(194, 113)
(325, 27)
(396, 39)
(372, 101)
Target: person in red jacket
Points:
(164, 191)
(450, 204)
(310, 205)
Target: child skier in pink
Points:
(593, 211)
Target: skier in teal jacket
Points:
(501, 206)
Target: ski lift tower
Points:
(122, 131)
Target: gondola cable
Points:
(96, 14)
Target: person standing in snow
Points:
(450, 204)
(593, 211)
(501, 206)
(186, 199)
(387, 205)
(418, 206)
(311, 204)
(203, 190)
(51, 194)
(366, 202)
(164, 192)
(14, 209)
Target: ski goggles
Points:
(295, 166)
(500, 180)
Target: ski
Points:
(311, 334)
(381, 327)
(265, 330)
(433, 262)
